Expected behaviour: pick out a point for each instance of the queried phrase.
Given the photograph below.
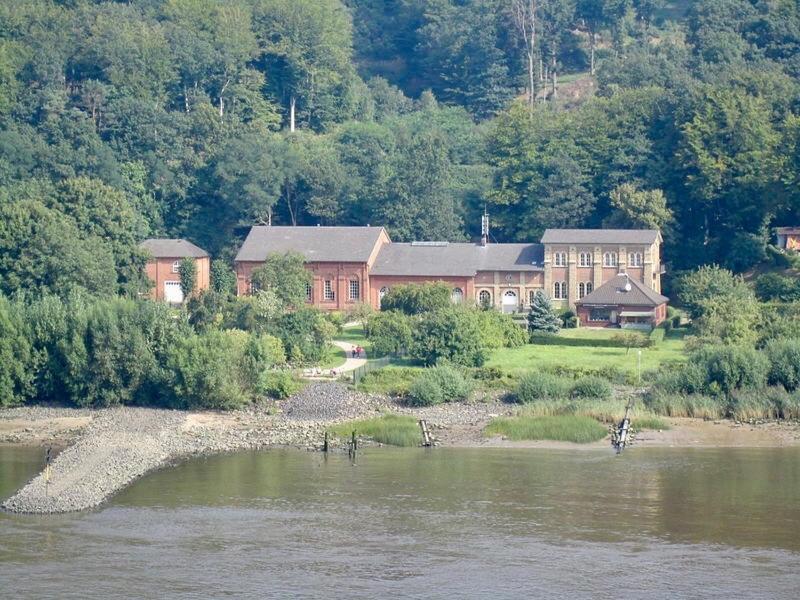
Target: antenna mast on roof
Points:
(484, 227)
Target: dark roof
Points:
(600, 236)
(172, 248)
(788, 230)
(613, 293)
(316, 244)
(443, 259)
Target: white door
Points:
(510, 303)
(173, 292)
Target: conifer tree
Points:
(542, 318)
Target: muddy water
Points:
(447, 523)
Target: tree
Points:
(542, 318)
(708, 283)
(223, 279)
(415, 299)
(286, 276)
(16, 376)
(390, 333)
(638, 209)
(187, 271)
(448, 335)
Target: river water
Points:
(442, 523)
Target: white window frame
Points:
(531, 296)
(589, 287)
(610, 259)
(354, 285)
(488, 298)
(585, 259)
(560, 290)
(581, 290)
(560, 259)
(457, 295)
(309, 292)
(176, 266)
(635, 259)
(329, 293)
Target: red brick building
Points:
(360, 264)
(162, 268)
(622, 301)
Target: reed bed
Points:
(561, 428)
(391, 429)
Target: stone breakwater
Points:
(119, 445)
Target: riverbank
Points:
(108, 449)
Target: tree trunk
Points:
(531, 82)
(592, 44)
(291, 113)
(221, 101)
(554, 73)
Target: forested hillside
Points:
(198, 118)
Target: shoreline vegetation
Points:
(107, 449)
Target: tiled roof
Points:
(316, 244)
(613, 293)
(443, 259)
(172, 248)
(600, 236)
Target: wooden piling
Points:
(426, 435)
(325, 443)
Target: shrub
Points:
(389, 333)
(425, 391)
(443, 383)
(278, 384)
(682, 405)
(452, 335)
(498, 330)
(773, 286)
(746, 405)
(394, 381)
(667, 327)
(591, 387)
(784, 363)
(305, 334)
(689, 378)
(729, 368)
(657, 335)
(540, 386)
(676, 321)
(629, 340)
(542, 318)
(210, 371)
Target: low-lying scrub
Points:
(392, 381)
(591, 387)
(439, 384)
(395, 430)
(650, 422)
(562, 428)
(540, 386)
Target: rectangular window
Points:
(329, 295)
(309, 293)
(355, 290)
(176, 266)
(600, 314)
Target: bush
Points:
(390, 333)
(395, 381)
(211, 371)
(629, 340)
(425, 391)
(667, 328)
(688, 378)
(540, 386)
(591, 387)
(657, 335)
(278, 384)
(773, 286)
(784, 363)
(681, 405)
(499, 330)
(676, 321)
(305, 334)
(439, 384)
(730, 368)
(452, 335)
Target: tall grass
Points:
(395, 430)
(650, 422)
(562, 428)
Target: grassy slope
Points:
(534, 356)
(334, 358)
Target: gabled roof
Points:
(600, 236)
(444, 259)
(613, 293)
(316, 244)
(172, 248)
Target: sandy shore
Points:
(107, 449)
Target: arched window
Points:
(589, 287)
(610, 259)
(510, 302)
(532, 296)
(635, 259)
(381, 293)
(457, 296)
(581, 290)
(560, 290)
(485, 298)
(585, 259)
(560, 259)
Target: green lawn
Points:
(334, 358)
(355, 335)
(535, 356)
